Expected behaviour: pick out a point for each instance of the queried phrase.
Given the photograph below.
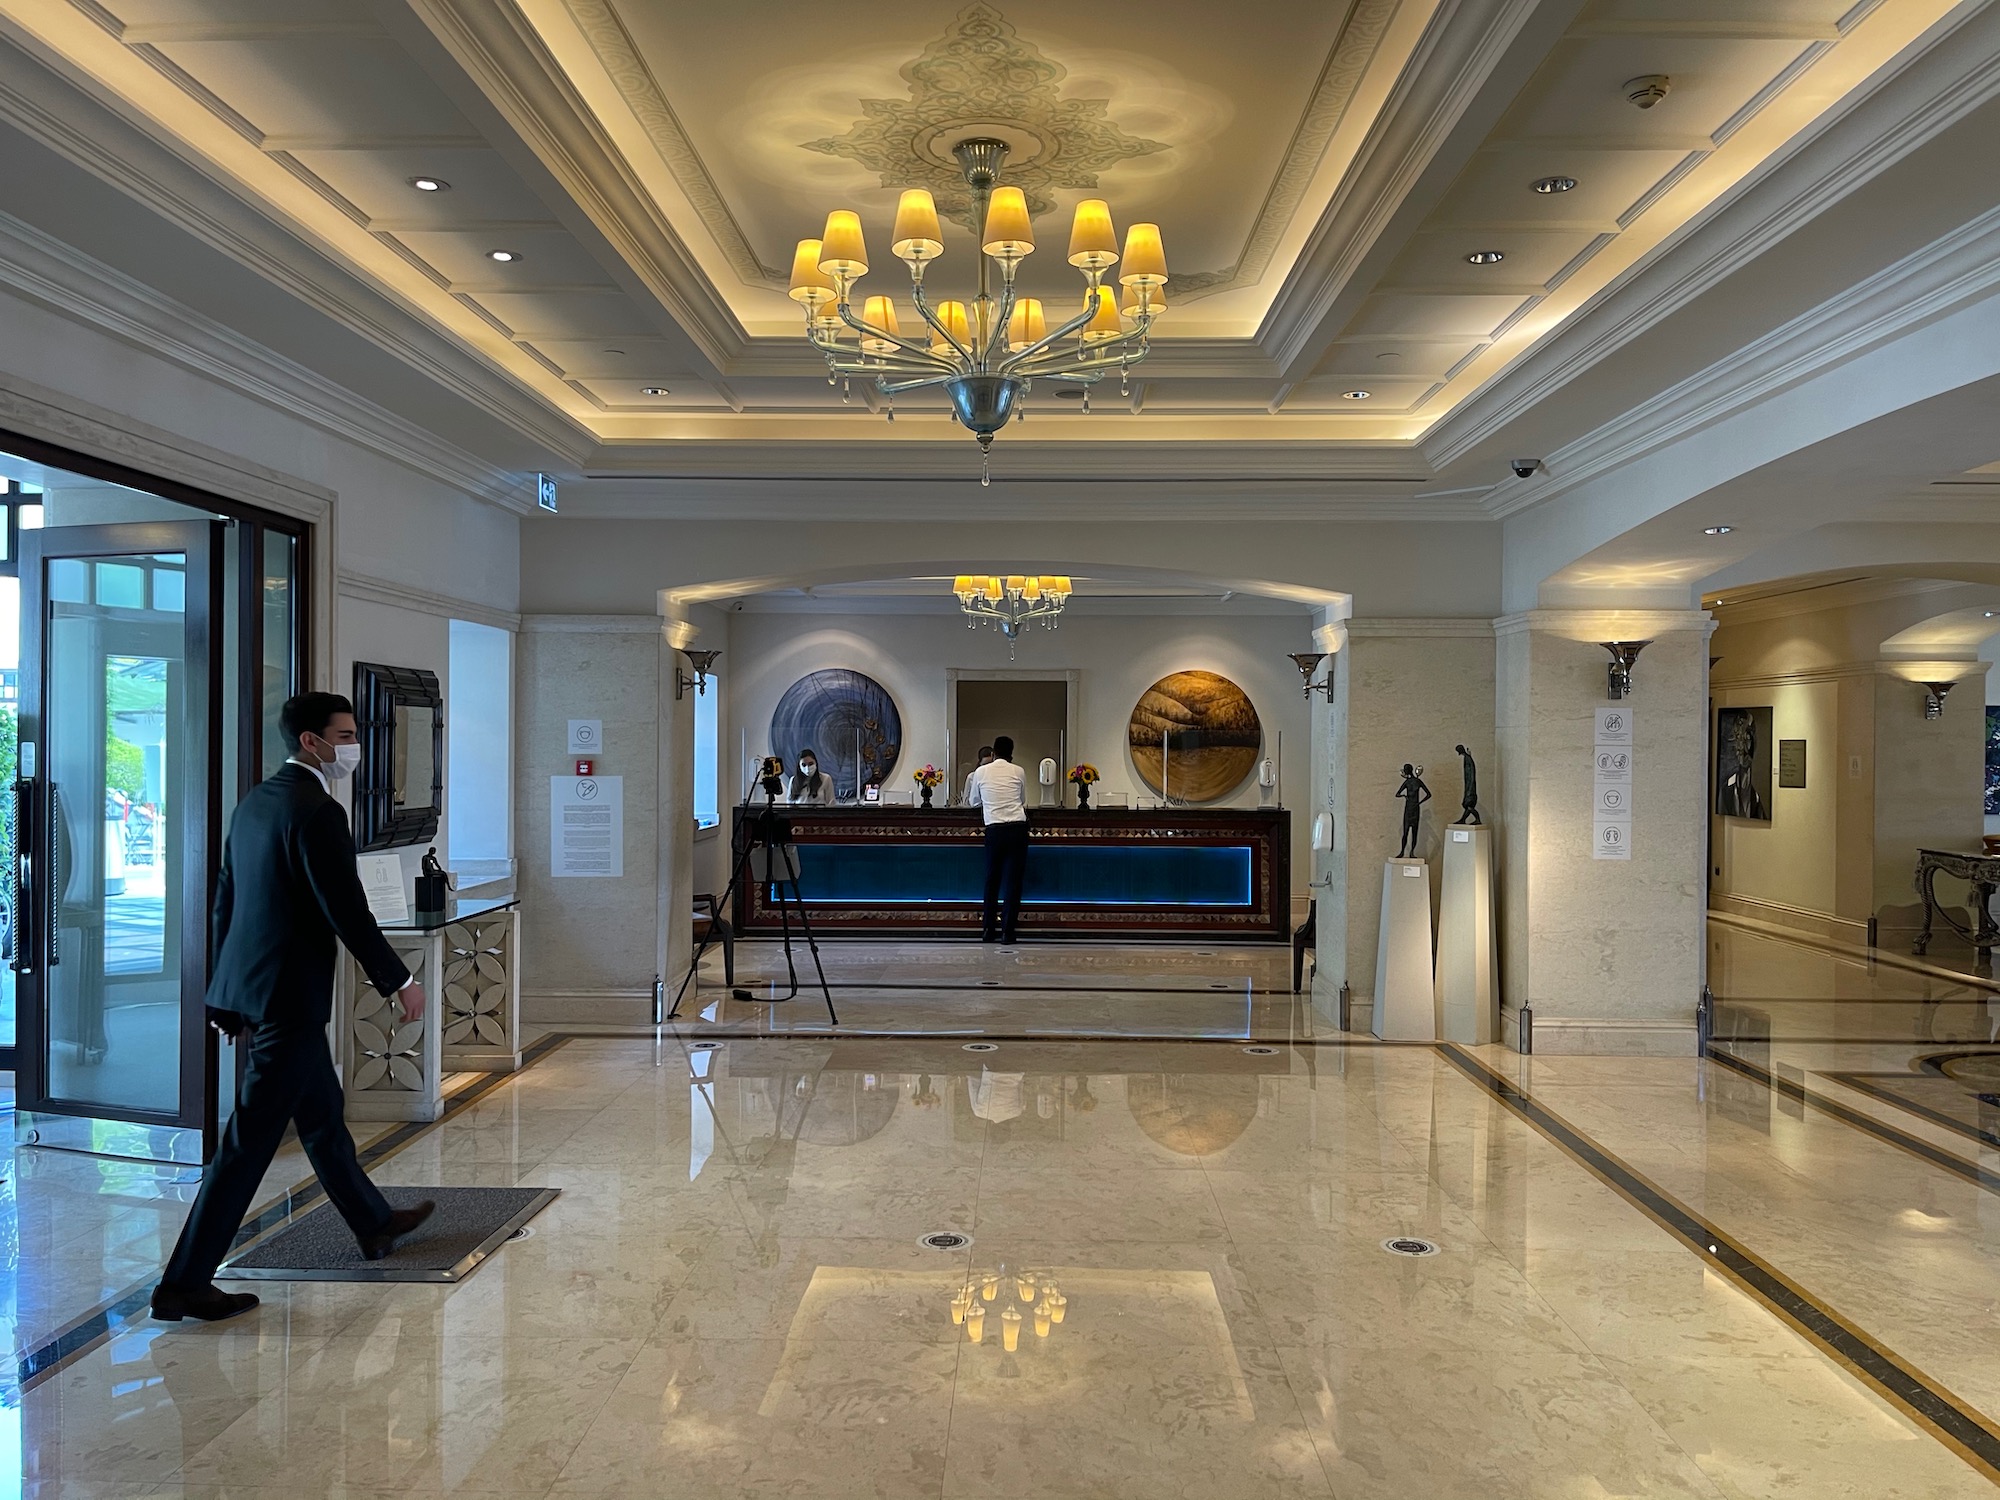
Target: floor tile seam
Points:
(850, 1033)
(1868, 1100)
(1857, 957)
(116, 1313)
(1952, 1421)
(1866, 1124)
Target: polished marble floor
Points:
(729, 1297)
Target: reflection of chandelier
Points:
(1013, 601)
(1012, 1298)
(984, 354)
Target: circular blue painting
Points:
(848, 719)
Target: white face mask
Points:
(807, 767)
(345, 759)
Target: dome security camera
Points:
(1524, 467)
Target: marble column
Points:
(676, 791)
(1608, 954)
(1404, 691)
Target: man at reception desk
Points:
(999, 789)
(809, 785)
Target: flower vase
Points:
(1083, 796)
(926, 797)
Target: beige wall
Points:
(595, 943)
(1607, 953)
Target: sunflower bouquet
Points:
(929, 777)
(1084, 774)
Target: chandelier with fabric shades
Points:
(1012, 600)
(985, 352)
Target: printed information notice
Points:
(1611, 785)
(586, 826)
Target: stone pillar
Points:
(1404, 691)
(1608, 954)
(676, 791)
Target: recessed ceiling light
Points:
(505, 257)
(1717, 530)
(1553, 184)
(654, 390)
(1991, 613)
(1355, 395)
(430, 184)
(1486, 257)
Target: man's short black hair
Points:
(1003, 747)
(309, 713)
(984, 751)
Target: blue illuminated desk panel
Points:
(1112, 873)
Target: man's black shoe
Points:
(401, 1222)
(208, 1303)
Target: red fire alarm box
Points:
(586, 768)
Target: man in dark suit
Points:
(289, 889)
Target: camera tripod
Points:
(771, 836)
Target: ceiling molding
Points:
(1961, 268)
(1855, 140)
(43, 101)
(423, 601)
(58, 276)
(1838, 594)
(1404, 152)
(508, 63)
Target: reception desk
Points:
(1173, 872)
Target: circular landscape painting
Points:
(1212, 735)
(846, 718)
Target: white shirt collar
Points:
(317, 772)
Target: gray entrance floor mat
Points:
(469, 1225)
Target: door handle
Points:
(53, 907)
(25, 928)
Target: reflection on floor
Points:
(729, 1298)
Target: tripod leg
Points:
(694, 965)
(812, 943)
(785, 921)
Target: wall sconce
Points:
(1308, 663)
(702, 660)
(1934, 698)
(1618, 671)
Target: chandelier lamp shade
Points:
(1011, 601)
(985, 353)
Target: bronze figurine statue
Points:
(1468, 811)
(1414, 794)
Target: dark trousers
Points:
(1006, 868)
(289, 1076)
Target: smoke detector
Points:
(1648, 89)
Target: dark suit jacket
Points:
(289, 888)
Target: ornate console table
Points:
(468, 962)
(1980, 871)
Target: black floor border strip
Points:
(1954, 1422)
(976, 988)
(1861, 1084)
(1864, 1122)
(83, 1334)
(849, 1033)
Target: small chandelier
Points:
(984, 353)
(1012, 601)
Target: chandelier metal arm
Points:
(869, 330)
(917, 296)
(843, 360)
(897, 387)
(1099, 363)
(1074, 325)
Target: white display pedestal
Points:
(1468, 996)
(1405, 1005)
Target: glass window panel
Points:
(169, 589)
(31, 517)
(69, 581)
(280, 639)
(10, 700)
(121, 586)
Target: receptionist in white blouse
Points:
(809, 785)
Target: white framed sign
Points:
(586, 736)
(1611, 784)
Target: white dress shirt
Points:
(1000, 791)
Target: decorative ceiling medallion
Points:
(981, 79)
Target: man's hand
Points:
(412, 998)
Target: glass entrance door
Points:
(118, 786)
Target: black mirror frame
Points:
(378, 692)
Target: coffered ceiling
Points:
(1322, 173)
